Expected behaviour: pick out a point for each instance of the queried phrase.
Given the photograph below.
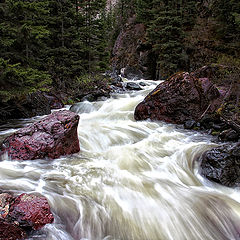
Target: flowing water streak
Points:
(131, 180)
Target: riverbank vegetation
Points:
(50, 43)
(58, 45)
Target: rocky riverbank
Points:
(51, 137)
(202, 100)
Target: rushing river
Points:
(131, 180)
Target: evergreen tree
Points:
(22, 32)
(165, 33)
(23, 29)
(17, 81)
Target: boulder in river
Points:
(31, 211)
(21, 214)
(51, 137)
(222, 165)
(132, 73)
(133, 86)
(181, 98)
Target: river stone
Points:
(222, 165)
(31, 211)
(190, 124)
(133, 86)
(132, 73)
(51, 137)
(181, 98)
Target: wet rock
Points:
(5, 201)
(117, 81)
(181, 98)
(219, 126)
(131, 73)
(118, 89)
(51, 137)
(190, 124)
(96, 96)
(114, 76)
(142, 84)
(35, 104)
(28, 106)
(222, 165)
(11, 231)
(21, 214)
(133, 86)
(31, 211)
(207, 121)
(228, 135)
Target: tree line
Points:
(58, 43)
(187, 34)
(50, 43)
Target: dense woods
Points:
(50, 43)
(186, 35)
(61, 44)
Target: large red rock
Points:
(8, 228)
(21, 213)
(31, 211)
(182, 97)
(51, 137)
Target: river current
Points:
(131, 180)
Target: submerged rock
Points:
(222, 165)
(98, 95)
(181, 98)
(21, 214)
(51, 137)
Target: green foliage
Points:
(90, 81)
(165, 33)
(61, 40)
(17, 81)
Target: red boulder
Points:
(183, 97)
(31, 211)
(51, 137)
(22, 213)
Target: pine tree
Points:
(22, 33)
(23, 29)
(165, 33)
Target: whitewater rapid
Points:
(130, 181)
